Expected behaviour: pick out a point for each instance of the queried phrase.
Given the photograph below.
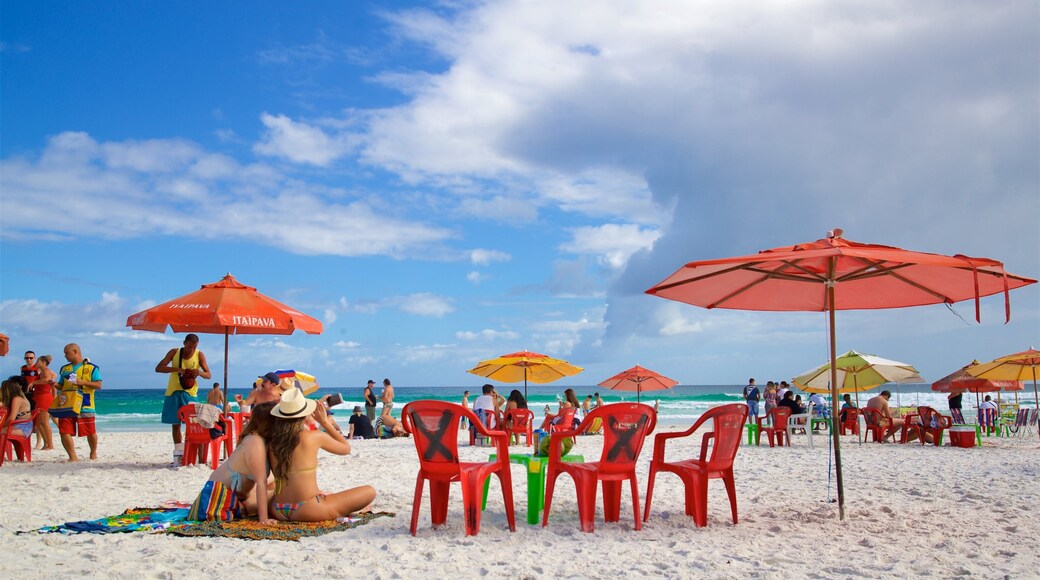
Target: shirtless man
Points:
(387, 397)
(880, 403)
(269, 392)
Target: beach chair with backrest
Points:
(851, 422)
(988, 422)
(434, 426)
(958, 417)
(875, 424)
(519, 422)
(198, 438)
(625, 428)
(727, 425)
(1019, 425)
(14, 443)
(776, 428)
(927, 421)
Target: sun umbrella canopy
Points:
(525, 366)
(4, 344)
(857, 372)
(837, 274)
(224, 306)
(960, 381)
(1020, 366)
(638, 379)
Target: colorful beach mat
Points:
(174, 521)
(251, 529)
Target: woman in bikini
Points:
(293, 452)
(18, 408)
(239, 486)
(43, 395)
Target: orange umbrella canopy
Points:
(961, 380)
(837, 274)
(1019, 366)
(4, 344)
(639, 379)
(223, 307)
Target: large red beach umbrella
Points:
(837, 274)
(639, 379)
(226, 307)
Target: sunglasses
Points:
(30, 358)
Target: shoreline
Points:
(911, 510)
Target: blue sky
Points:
(442, 183)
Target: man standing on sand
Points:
(29, 372)
(465, 405)
(751, 395)
(370, 400)
(387, 397)
(79, 375)
(216, 398)
(183, 365)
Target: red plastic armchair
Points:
(625, 428)
(434, 426)
(876, 424)
(777, 432)
(928, 422)
(14, 443)
(851, 422)
(727, 422)
(197, 437)
(519, 422)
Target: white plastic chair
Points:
(801, 421)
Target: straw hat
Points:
(294, 405)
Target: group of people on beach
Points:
(36, 390)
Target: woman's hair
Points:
(571, 398)
(45, 359)
(518, 398)
(260, 422)
(9, 390)
(283, 439)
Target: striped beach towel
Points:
(216, 502)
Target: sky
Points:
(442, 183)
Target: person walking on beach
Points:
(184, 365)
(465, 405)
(751, 395)
(29, 372)
(43, 396)
(387, 397)
(85, 377)
(370, 400)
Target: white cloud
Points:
(330, 316)
(425, 304)
(614, 243)
(299, 142)
(487, 335)
(475, 277)
(346, 344)
(482, 257)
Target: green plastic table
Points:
(536, 467)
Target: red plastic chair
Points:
(434, 426)
(851, 422)
(777, 430)
(876, 424)
(727, 428)
(566, 423)
(197, 437)
(625, 428)
(923, 425)
(14, 443)
(519, 422)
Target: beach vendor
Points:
(239, 486)
(82, 379)
(184, 365)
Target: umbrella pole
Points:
(225, 365)
(834, 395)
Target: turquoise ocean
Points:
(139, 409)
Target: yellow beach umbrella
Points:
(525, 366)
(1021, 366)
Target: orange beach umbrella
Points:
(836, 274)
(225, 307)
(525, 366)
(639, 379)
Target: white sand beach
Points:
(912, 510)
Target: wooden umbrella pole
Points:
(834, 396)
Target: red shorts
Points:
(80, 426)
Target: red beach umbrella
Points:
(5, 344)
(638, 379)
(837, 274)
(225, 307)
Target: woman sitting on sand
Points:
(18, 408)
(43, 395)
(239, 486)
(293, 453)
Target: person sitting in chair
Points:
(880, 402)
